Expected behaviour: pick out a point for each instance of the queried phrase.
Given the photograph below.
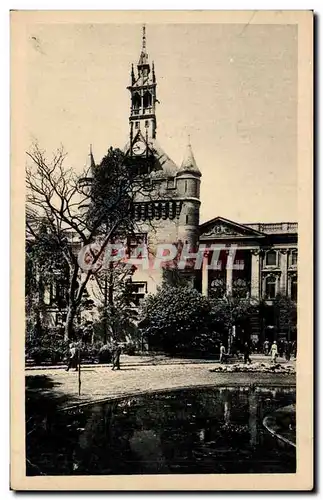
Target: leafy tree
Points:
(55, 194)
(117, 312)
(44, 268)
(285, 311)
(174, 277)
(178, 320)
(230, 310)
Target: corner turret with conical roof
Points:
(189, 163)
(188, 176)
(188, 180)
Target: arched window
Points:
(217, 288)
(271, 258)
(293, 288)
(293, 258)
(147, 100)
(270, 287)
(136, 101)
(240, 288)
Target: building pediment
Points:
(224, 228)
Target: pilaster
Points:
(255, 273)
(284, 269)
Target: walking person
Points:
(222, 354)
(72, 362)
(288, 350)
(116, 353)
(281, 348)
(266, 347)
(246, 353)
(274, 352)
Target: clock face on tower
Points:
(138, 148)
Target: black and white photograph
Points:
(161, 291)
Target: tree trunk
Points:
(105, 304)
(68, 331)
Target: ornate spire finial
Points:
(143, 37)
(91, 162)
(132, 75)
(143, 56)
(189, 139)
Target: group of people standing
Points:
(283, 348)
(273, 350)
(246, 353)
(75, 356)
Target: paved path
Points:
(149, 360)
(102, 383)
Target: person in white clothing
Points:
(72, 362)
(274, 352)
(222, 354)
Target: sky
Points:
(231, 87)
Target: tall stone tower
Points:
(168, 212)
(143, 96)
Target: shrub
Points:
(178, 320)
(105, 355)
(129, 348)
(47, 349)
(90, 352)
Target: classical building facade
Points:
(260, 258)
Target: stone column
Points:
(255, 273)
(229, 273)
(205, 277)
(284, 269)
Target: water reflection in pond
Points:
(208, 430)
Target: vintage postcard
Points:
(162, 275)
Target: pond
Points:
(208, 430)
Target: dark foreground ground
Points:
(155, 419)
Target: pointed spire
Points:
(90, 163)
(144, 38)
(132, 75)
(92, 157)
(189, 163)
(143, 56)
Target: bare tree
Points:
(55, 194)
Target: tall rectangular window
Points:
(171, 183)
(294, 258)
(270, 290)
(293, 292)
(271, 258)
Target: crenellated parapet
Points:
(158, 210)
